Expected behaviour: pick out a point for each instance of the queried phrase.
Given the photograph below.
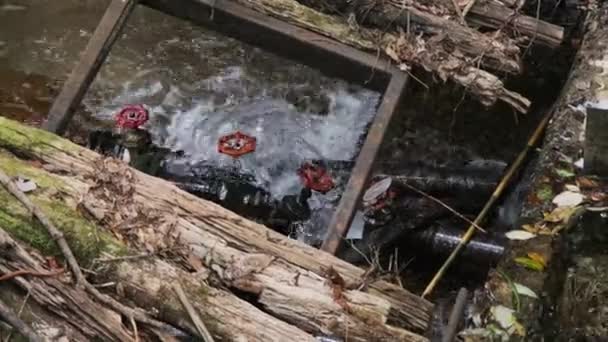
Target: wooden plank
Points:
(596, 141)
(85, 71)
(287, 40)
(345, 212)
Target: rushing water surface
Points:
(198, 86)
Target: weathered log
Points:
(288, 278)
(435, 54)
(232, 318)
(43, 322)
(61, 299)
(496, 15)
(496, 53)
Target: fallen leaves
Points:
(110, 200)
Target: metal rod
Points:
(345, 212)
(85, 71)
(486, 209)
(455, 316)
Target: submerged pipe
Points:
(479, 178)
(441, 240)
(500, 189)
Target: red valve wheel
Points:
(315, 177)
(236, 144)
(132, 116)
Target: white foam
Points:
(198, 113)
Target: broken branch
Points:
(9, 316)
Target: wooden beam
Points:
(92, 58)
(596, 141)
(304, 46)
(345, 212)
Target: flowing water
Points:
(198, 86)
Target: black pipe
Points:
(441, 240)
(436, 240)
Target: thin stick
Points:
(55, 233)
(196, 319)
(21, 273)
(459, 12)
(443, 204)
(11, 318)
(467, 8)
(81, 281)
(486, 209)
(455, 316)
(135, 332)
(27, 296)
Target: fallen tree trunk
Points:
(294, 283)
(495, 15)
(146, 283)
(454, 57)
(496, 53)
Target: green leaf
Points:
(545, 193)
(564, 173)
(530, 263)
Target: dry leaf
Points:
(586, 183)
(524, 290)
(25, 185)
(560, 214)
(539, 228)
(503, 316)
(519, 235)
(568, 199)
(572, 187)
(537, 257)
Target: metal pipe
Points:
(441, 240)
(493, 199)
(437, 240)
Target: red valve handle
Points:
(315, 177)
(236, 144)
(132, 116)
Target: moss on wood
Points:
(85, 238)
(14, 137)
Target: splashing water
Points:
(191, 117)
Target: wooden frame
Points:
(298, 44)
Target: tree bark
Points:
(440, 53)
(496, 15)
(291, 281)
